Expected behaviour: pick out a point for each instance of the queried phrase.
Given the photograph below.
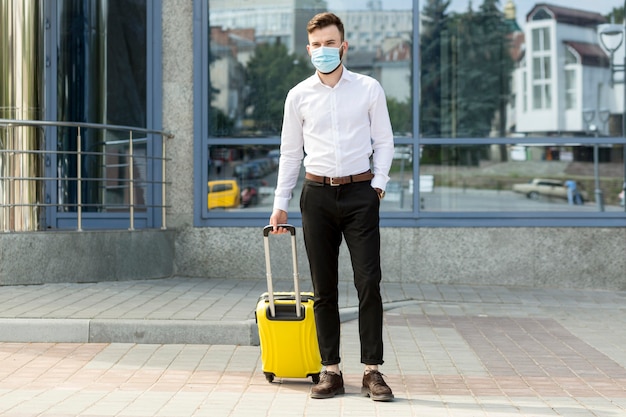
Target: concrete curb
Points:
(243, 333)
(44, 330)
(174, 332)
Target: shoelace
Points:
(325, 375)
(377, 378)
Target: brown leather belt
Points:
(334, 181)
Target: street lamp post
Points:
(588, 116)
(611, 37)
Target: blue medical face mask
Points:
(326, 59)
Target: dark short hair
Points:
(322, 20)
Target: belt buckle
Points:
(332, 182)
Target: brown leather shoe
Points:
(330, 384)
(375, 387)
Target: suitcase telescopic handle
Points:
(268, 268)
(267, 229)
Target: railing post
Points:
(163, 200)
(79, 182)
(6, 186)
(131, 176)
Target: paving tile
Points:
(461, 351)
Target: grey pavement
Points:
(188, 347)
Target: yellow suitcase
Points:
(286, 326)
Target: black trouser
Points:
(328, 213)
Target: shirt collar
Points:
(345, 76)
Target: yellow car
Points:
(223, 194)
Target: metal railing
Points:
(114, 170)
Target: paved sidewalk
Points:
(450, 350)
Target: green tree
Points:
(271, 73)
(220, 124)
(465, 71)
(616, 15)
(482, 69)
(432, 66)
(400, 115)
(466, 67)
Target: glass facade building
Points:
(92, 62)
(487, 99)
(499, 109)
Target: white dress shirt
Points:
(338, 129)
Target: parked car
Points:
(223, 194)
(274, 156)
(541, 187)
(248, 170)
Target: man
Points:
(573, 197)
(339, 119)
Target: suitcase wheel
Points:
(270, 376)
(315, 378)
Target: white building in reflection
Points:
(562, 81)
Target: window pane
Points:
(570, 100)
(570, 79)
(541, 39)
(537, 40)
(126, 62)
(473, 178)
(116, 186)
(541, 14)
(537, 99)
(547, 73)
(524, 92)
(400, 188)
(258, 53)
(483, 73)
(464, 55)
(470, 50)
(548, 96)
(546, 39)
(101, 78)
(537, 74)
(250, 173)
(241, 177)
